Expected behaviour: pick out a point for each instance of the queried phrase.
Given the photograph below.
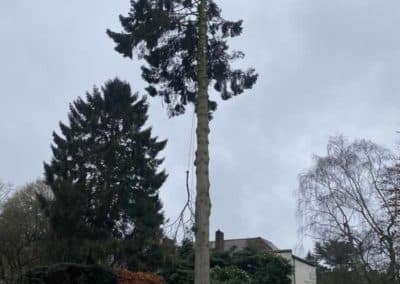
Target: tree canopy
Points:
(347, 195)
(105, 176)
(23, 231)
(165, 33)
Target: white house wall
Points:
(304, 273)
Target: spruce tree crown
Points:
(105, 172)
(165, 34)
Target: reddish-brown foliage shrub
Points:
(127, 277)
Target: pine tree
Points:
(105, 178)
(183, 269)
(184, 45)
(336, 254)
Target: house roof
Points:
(295, 257)
(241, 244)
(304, 261)
(261, 243)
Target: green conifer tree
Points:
(184, 45)
(105, 178)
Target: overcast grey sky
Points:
(326, 68)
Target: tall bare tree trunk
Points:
(203, 203)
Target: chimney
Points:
(219, 241)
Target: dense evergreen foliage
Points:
(336, 263)
(263, 267)
(70, 274)
(229, 275)
(247, 266)
(183, 266)
(336, 253)
(165, 33)
(105, 178)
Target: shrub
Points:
(229, 275)
(71, 274)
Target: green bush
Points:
(263, 268)
(229, 275)
(71, 274)
(232, 267)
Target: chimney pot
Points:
(219, 241)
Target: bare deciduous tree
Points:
(4, 192)
(346, 195)
(23, 228)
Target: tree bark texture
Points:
(203, 203)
